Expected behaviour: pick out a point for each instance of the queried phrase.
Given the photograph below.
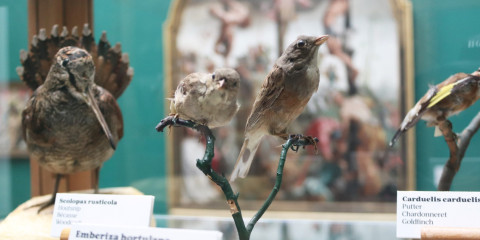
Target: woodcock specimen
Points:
(72, 122)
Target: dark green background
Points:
(442, 31)
(140, 157)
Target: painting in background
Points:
(354, 113)
(12, 101)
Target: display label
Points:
(130, 210)
(418, 209)
(82, 232)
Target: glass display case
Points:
(379, 60)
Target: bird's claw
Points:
(168, 121)
(307, 140)
(43, 205)
(294, 148)
(175, 119)
(455, 137)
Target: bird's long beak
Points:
(319, 41)
(93, 104)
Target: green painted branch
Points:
(205, 165)
(276, 188)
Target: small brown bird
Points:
(450, 97)
(208, 99)
(283, 96)
(70, 124)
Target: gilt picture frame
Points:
(366, 86)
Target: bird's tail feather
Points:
(398, 134)
(245, 158)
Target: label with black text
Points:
(70, 209)
(418, 209)
(82, 232)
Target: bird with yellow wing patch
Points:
(450, 97)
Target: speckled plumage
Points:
(70, 124)
(208, 99)
(284, 94)
(63, 134)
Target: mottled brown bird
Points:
(283, 96)
(207, 98)
(71, 124)
(450, 97)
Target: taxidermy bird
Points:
(70, 123)
(208, 99)
(450, 97)
(283, 96)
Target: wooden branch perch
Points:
(452, 165)
(205, 165)
(458, 146)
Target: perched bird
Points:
(71, 124)
(208, 99)
(283, 96)
(448, 98)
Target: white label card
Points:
(82, 232)
(130, 210)
(418, 209)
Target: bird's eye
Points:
(213, 75)
(301, 43)
(65, 62)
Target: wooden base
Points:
(450, 233)
(25, 223)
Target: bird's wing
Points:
(446, 87)
(33, 122)
(110, 110)
(461, 84)
(27, 115)
(194, 85)
(442, 93)
(112, 67)
(272, 88)
(182, 88)
(434, 95)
